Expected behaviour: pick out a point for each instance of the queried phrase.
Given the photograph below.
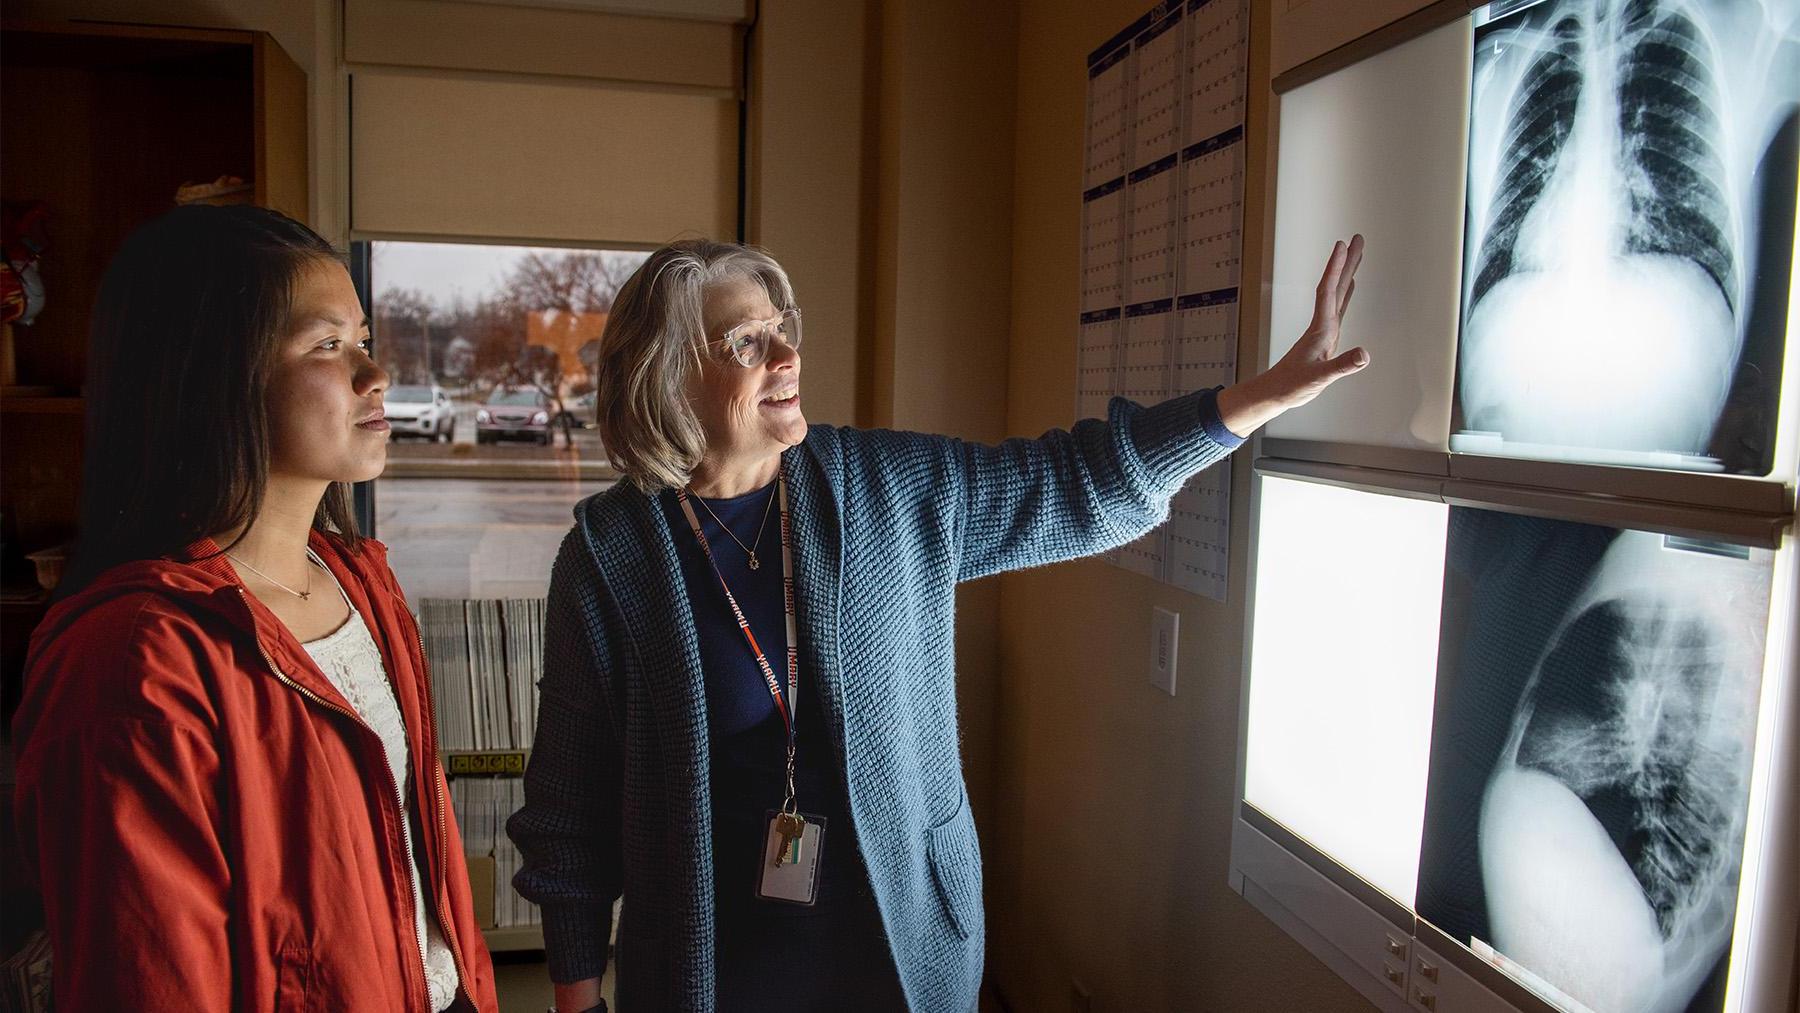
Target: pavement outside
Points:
(476, 538)
(482, 520)
(464, 457)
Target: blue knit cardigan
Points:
(885, 524)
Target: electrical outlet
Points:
(1165, 634)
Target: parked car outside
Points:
(420, 410)
(515, 413)
(578, 412)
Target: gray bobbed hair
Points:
(653, 341)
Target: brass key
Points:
(792, 828)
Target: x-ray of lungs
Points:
(1591, 757)
(1630, 230)
(1613, 824)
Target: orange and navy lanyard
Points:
(784, 705)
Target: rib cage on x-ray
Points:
(1650, 61)
(1664, 790)
(1639, 753)
(1615, 221)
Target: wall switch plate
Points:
(1165, 633)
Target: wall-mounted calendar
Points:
(1162, 225)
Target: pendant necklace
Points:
(749, 550)
(305, 595)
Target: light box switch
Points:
(1165, 632)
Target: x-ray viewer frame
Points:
(1430, 186)
(1400, 961)
(1379, 944)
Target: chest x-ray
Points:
(1591, 757)
(1630, 230)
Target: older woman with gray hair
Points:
(748, 718)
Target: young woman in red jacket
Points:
(228, 783)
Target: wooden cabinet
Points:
(103, 123)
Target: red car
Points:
(519, 413)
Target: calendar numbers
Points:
(1162, 235)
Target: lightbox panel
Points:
(1377, 148)
(1343, 658)
(1552, 727)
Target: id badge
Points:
(780, 876)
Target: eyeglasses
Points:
(747, 344)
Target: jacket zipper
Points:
(437, 791)
(387, 772)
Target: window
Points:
(491, 353)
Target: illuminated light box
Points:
(1630, 232)
(1342, 665)
(1525, 752)
(1377, 148)
(1591, 759)
(1540, 736)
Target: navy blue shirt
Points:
(746, 735)
(737, 698)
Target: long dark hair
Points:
(185, 328)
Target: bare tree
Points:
(403, 321)
(618, 267)
(496, 327)
(577, 281)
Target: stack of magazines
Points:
(482, 806)
(485, 657)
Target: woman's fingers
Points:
(1326, 297)
(1353, 255)
(1313, 363)
(1347, 363)
(1337, 283)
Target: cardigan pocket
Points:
(955, 858)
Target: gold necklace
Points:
(305, 595)
(749, 550)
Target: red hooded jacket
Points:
(211, 825)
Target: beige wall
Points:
(1107, 856)
(946, 232)
(813, 174)
(881, 177)
(1309, 28)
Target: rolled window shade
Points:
(522, 40)
(487, 156)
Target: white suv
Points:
(420, 410)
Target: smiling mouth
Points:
(783, 399)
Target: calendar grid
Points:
(1162, 233)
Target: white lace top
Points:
(350, 659)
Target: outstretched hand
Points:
(1314, 362)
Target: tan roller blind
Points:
(490, 121)
(523, 40)
(485, 156)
